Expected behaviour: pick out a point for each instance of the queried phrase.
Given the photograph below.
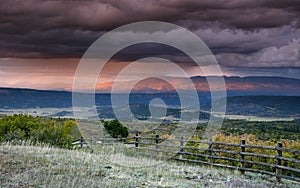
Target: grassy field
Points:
(42, 166)
(255, 118)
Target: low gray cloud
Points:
(254, 71)
(284, 56)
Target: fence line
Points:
(211, 154)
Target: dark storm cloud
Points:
(102, 15)
(243, 33)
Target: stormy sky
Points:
(41, 42)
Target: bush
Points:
(116, 129)
(38, 129)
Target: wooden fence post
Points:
(209, 150)
(279, 154)
(156, 143)
(137, 139)
(243, 143)
(81, 142)
(181, 146)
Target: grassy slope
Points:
(33, 166)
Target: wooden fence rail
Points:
(236, 157)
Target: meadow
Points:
(38, 152)
(24, 165)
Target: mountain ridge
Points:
(259, 84)
(253, 105)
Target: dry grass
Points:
(42, 166)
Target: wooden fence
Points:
(219, 154)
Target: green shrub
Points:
(38, 129)
(116, 129)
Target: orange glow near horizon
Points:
(58, 74)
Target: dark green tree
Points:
(116, 129)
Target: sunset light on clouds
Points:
(41, 42)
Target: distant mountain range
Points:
(253, 85)
(280, 97)
(258, 85)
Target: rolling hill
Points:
(264, 106)
(275, 99)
